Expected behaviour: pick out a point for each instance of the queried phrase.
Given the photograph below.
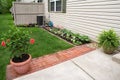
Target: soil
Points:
(22, 59)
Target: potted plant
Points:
(18, 41)
(109, 41)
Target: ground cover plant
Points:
(71, 37)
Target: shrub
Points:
(109, 41)
(17, 41)
(5, 5)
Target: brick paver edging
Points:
(50, 60)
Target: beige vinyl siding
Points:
(27, 1)
(88, 17)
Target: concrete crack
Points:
(83, 70)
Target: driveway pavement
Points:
(94, 65)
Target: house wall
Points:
(26, 13)
(27, 0)
(88, 17)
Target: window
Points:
(56, 5)
(40, 1)
(52, 6)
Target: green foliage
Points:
(76, 39)
(5, 5)
(17, 41)
(109, 40)
(45, 43)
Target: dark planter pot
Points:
(21, 67)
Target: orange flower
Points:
(32, 41)
(3, 43)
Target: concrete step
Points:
(116, 58)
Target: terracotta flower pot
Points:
(22, 67)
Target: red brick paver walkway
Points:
(50, 60)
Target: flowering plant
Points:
(17, 41)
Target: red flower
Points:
(3, 43)
(32, 41)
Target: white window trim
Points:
(55, 5)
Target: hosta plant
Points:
(109, 41)
(76, 39)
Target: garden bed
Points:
(69, 36)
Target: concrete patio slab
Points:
(99, 65)
(64, 71)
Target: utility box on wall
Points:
(40, 20)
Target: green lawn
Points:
(45, 43)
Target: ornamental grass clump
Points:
(109, 41)
(17, 41)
